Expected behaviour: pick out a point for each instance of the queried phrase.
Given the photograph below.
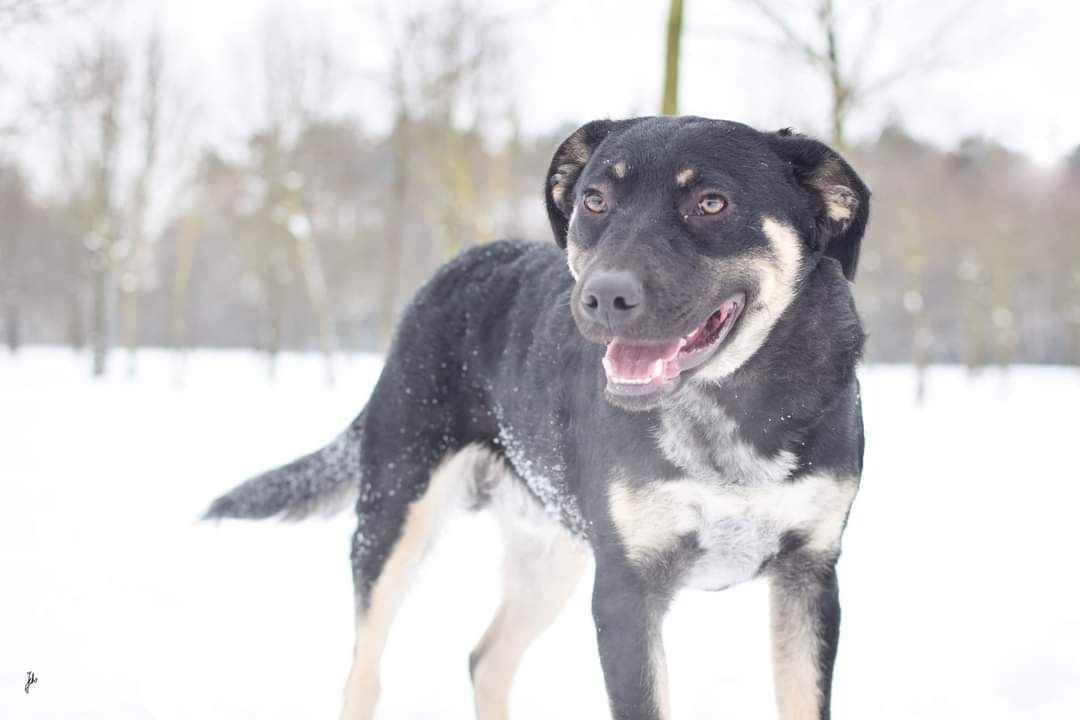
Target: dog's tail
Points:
(323, 481)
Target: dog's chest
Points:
(718, 536)
(699, 437)
(729, 510)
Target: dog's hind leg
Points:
(392, 538)
(542, 566)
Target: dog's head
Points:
(688, 239)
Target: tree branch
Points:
(802, 45)
(927, 55)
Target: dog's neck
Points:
(809, 355)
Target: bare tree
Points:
(1068, 232)
(462, 68)
(842, 65)
(89, 94)
(15, 209)
(120, 121)
(393, 231)
(670, 102)
(188, 234)
(16, 13)
(295, 76)
(445, 68)
(135, 264)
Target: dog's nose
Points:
(614, 296)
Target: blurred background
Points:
(213, 211)
(281, 176)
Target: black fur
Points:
(814, 164)
(496, 351)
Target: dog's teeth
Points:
(657, 370)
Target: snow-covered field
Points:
(959, 578)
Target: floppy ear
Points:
(842, 199)
(565, 168)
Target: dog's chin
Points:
(640, 374)
(640, 402)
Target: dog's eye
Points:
(711, 204)
(594, 201)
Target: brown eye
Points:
(711, 204)
(594, 201)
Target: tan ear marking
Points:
(576, 149)
(840, 202)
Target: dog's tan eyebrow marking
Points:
(685, 176)
(618, 169)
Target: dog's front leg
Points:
(628, 619)
(805, 605)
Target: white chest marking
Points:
(697, 436)
(737, 527)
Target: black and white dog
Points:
(682, 402)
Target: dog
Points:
(670, 386)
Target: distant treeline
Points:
(972, 256)
(123, 225)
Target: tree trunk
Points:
(129, 308)
(394, 232)
(915, 264)
(10, 276)
(920, 353)
(275, 322)
(670, 103)
(841, 96)
(460, 212)
(108, 73)
(76, 330)
(181, 290)
(131, 281)
(972, 318)
(11, 326)
(99, 329)
(1073, 315)
(307, 256)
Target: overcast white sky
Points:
(1010, 71)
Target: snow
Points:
(545, 482)
(958, 580)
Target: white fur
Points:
(693, 416)
(445, 493)
(795, 644)
(660, 685)
(738, 527)
(575, 258)
(737, 502)
(543, 565)
(839, 203)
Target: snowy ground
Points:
(959, 578)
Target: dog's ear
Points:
(842, 200)
(565, 168)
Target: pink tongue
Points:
(630, 361)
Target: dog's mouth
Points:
(642, 368)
